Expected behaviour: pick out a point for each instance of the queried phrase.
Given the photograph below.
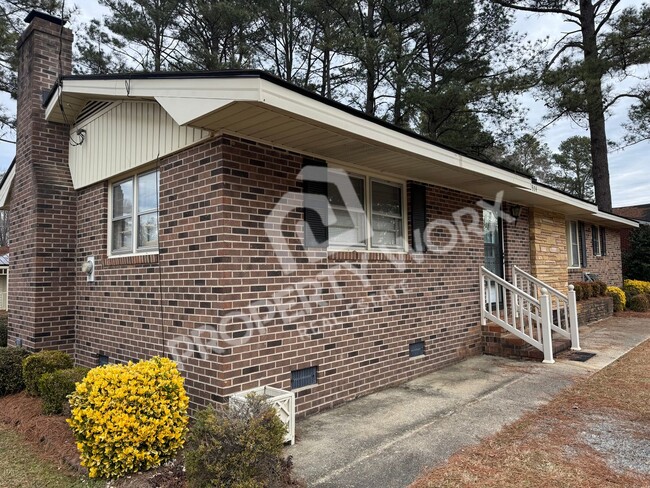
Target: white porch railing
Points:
(564, 311)
(3, 300)
(518, 312)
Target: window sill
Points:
(368, 255)
(419, 357)
(127, 259)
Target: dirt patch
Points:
(594, 434)
(624, 444)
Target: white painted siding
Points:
(124, 137)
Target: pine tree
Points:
(572, 168)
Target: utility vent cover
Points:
(580, 356)
(416, 349)
(90, 109)
(304, 377)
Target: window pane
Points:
(575, 246)
(334, 190)
(349, 229)
(148, 230)
(386, 215)
(122, 235)
(386, 199)
(148, 192)
(123, 199)
(386, 231)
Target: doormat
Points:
(580, 356)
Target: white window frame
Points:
(135, 250)
(368, 178)
(570, 244)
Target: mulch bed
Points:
(49, 432)
(55, 442)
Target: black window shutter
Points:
(583, 245)
(603, 241)
(315, 202)
(418, 216)
(594, 239)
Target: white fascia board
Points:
(615, 218)
(189, 89)
(5, 190)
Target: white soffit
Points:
(267, 111)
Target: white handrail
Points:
(537, 281)
(564, 316)
(529, 319)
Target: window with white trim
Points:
(365, 206)
(134, 214)
(574, 243)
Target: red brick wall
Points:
(43, 204)
(609, 267)
(216, 261)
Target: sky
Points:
(629, 168)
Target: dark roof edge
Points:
(6, 175)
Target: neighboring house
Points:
(4, 272)
(261, 234)
(640, 213)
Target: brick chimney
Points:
(43, 203)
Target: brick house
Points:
(640, 213)
(260, 233)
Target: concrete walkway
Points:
(386, 439)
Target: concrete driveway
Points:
(386, 439)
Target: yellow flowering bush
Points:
(129, 417)
(619, 298)
(636, 287)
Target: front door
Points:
(493, 244)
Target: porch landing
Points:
(387, 438)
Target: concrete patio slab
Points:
(386, 439)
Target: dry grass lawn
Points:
(596, 434)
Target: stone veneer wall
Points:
(548, 248)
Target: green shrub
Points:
(129, 417)
(577, 287)
(43, 362)
(3, 331)
(603, 288)
(55, 387)
(239, 448)
(586, 290)
(639, 303)
(11, 369)
(619, 298)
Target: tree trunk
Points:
(595, 108)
